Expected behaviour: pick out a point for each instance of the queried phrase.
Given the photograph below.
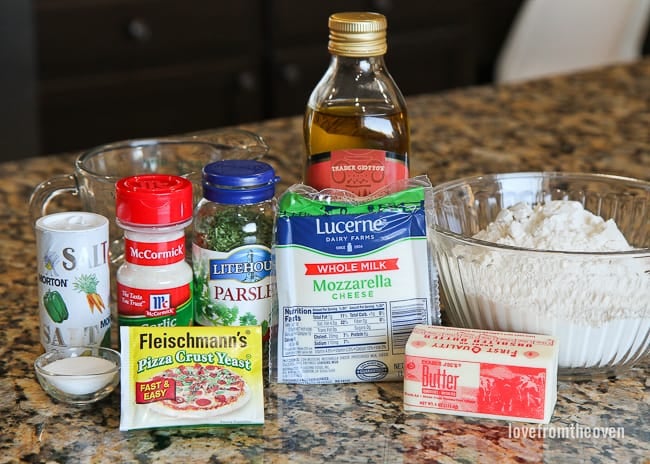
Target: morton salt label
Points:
(352, 282)
(73, 279)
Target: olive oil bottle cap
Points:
(357, 34)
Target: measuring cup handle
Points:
(49, 189)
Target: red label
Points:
(360, 171)
(348, 267)
(517, 391)
(486, 388)
(154, 254)
(156, 389)
(151, 303)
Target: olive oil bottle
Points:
(355, 125)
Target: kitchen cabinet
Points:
(161, 101)
(117, 69)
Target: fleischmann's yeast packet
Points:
(353, 277)
(188, 376)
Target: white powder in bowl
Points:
(81, 375)
(595, 305)
(558, 225)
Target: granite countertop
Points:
(596, 121)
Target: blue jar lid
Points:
(238, 181)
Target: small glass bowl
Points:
(78, 374)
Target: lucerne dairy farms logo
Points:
(350, 226)
(347, 235)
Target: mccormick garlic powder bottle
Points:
(154, 284)
(355, 125)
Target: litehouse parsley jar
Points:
(231, 249)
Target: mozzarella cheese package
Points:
(481, 373)
(353, 278)
(187, 376)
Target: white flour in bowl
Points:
(596, 306)
(557, 225)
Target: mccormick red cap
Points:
(153, 200)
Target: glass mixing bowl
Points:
(596, 303)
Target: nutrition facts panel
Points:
(352, 328)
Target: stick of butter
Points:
(480, 373)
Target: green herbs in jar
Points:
(231, 250)
(234, 227)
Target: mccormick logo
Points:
(136, 253)
(154, 254)
(159, 302)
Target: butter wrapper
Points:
(189, 376)
(480, 373)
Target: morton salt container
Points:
(73, 279)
